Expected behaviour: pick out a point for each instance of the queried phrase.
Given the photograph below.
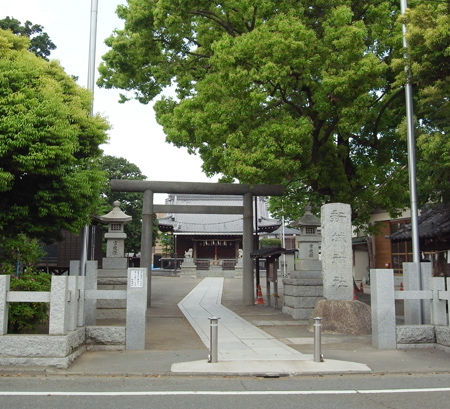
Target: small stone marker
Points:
(337, 251)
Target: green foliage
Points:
(429, 58)
(25, 316)
(304, 93)
(40, 43)
(130, 203)
(27, 252)
(49, 146)
(267, 243)
(168, 244)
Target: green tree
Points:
(49, 146)
(40, 43)
(428, 53)
(302, 93)
(130, 203)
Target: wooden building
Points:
(210, 236)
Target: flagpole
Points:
(90, 86)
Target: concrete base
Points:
(103, 338)
(301, 292)
(422, 336)
(42, 350)
(275, 368)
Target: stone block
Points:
(115, 263)
(60, 363)
(443, 335)
(344, 317)
(58, 346)
(303, 291)
(415, 334)
(300, 302)
(298, 313)
(306, 264)
(302, 281)
(105, 335)
(111, 273)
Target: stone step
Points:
(111, 272)
(300, 302)
(303, 281)
(310, 274)
(298, 313)
(303, 290)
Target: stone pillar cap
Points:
(116, 215)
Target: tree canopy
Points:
(304, 93)
(49, 146)
(40, 43)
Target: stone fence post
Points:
(438, 305)
(4, 288)
(136, 308)
(59, 297)
(383, 309)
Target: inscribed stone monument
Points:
(337, 251)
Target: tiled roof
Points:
(434, 222)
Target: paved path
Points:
(238, 339)
(244, 348)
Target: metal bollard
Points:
(318, 356)
(213, 339)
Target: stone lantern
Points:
(115, 238)
(309, 241)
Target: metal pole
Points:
(318, 357)
(213, 339)
(412, 160)
(411, 150)
(90, 86)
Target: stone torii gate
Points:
(148, 208)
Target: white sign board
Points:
(137, 277)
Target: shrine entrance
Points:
(149, 208)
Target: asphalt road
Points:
(349, 391)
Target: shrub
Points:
(265, 243)
(26, 316)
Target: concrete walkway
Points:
(244, 348)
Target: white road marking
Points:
(224, 393)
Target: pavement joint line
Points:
(228, 393)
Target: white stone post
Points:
(90, 305)
(383, 309)
(413, 308)
(426, 275)
(58, 306)
(81, 301)
(4, 288)
(438, 306)
(136, 308)
(337, 251)
(72, 310)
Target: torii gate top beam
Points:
(120, 185)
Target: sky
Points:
(135, 135)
